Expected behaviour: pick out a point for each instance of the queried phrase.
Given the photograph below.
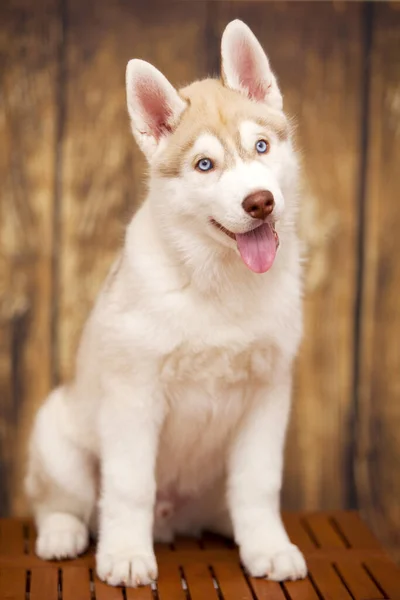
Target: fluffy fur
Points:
(176, 417)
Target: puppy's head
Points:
(220, 156)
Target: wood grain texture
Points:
(378, 454)
(11, 537)
(315, 49)
(230, 580)
(76, 584)
(215, 573)
(169, 583)
(72, 176)
(28, 78)
(199, 580)
(7, 423)
(44, 584)
(327, 581)
(12, 584)
(358, 581)
(103, 170)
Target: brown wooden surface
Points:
(72, 176)
(378, 456)
(29, 42)
(210, 569)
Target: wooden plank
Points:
(31, 537)
(353, 576)
(315, 49)
(199, 581)
(103, 591)
(358, 581)
(12, 584)
(231, 581)
(141, 593)
(327, 581)
(44, 584)
(75, 583)
(169, 584)
(355, 530)
(301, 590)
(183, 544)
(267, 590)
(378, 452)
(161, 548)
(28, 115)
(103, 170)
(175, 559)
(7, 431)
(324, 532)
(387, 576)
(296, 531)
(11, 537)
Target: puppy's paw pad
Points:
(286, 564)
(128, 569)
(57, 541)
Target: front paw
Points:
(280, 565)
(126, 568)
(61, 536)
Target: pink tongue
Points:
(257, 248)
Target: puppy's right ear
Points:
(154, 105)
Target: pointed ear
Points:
(245, 66)
(154, 105)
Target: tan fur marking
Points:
(215, 109)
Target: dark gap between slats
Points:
(335, 525)
(172, 547)
(91, 585)
(342, 579)
(310, 532)
(247, 580)
(365, 137)
(59, 585)
(184, 583)
(374, 580)
(28, 576)
(215, 583)
(201, 544)
(123, 590)
(154, 590)
(25, 532)
(314, 585)
(229, 543)
(284, 590)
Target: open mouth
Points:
(257, 247)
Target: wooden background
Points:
(71, 177)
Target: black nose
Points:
(259, 204)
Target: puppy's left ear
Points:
(245, 66)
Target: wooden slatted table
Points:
(345, 561)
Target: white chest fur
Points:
(207, 390)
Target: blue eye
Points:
(205, 164)
(262, 146)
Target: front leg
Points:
(130, 423)
(254, 483)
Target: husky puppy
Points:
(175, 419)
